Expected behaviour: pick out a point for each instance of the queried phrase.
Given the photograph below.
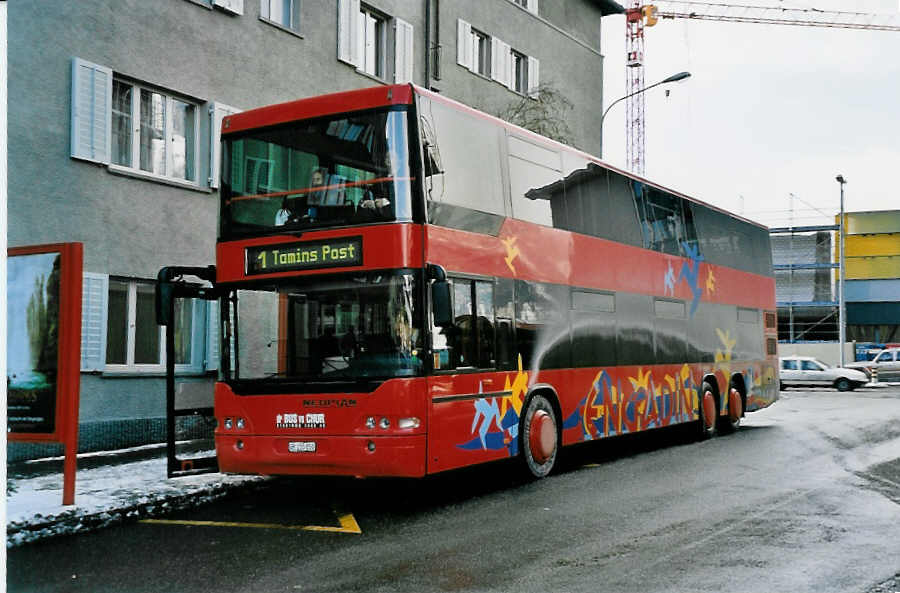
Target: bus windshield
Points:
(335, 171)
(339, 328)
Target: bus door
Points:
(186, 309)
(467, 395)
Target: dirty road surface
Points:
(804, 497)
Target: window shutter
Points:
(232, 6)
(95, 292)
(403, 51)
(500, 61)
(464, 44)
(91, 117)
(533, 77)
(348, 35)
(212, 335)
(511, 69)
(496, 61)
(532, 6)
(473, 51)
(217, 111)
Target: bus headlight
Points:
(229, 423)
(370, 422)
(385, 423)
(408, 423)
(239, 424)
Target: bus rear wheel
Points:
(539, 436)
(732, 421)
(708, 411)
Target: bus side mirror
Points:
(163, 301)
(441, 309)
(171, 277)
(440, 303)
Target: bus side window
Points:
(470, 342)
(461, 335)
(462, 164)
(535, 176)
(504, 311)
(484, 315)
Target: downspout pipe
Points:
(427, 44)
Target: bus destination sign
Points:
(309, 255)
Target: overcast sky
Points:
(769, 111)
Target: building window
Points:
(285, 13)
(365, 43)
(136, 129)
(371, 37)
(529, 5)
(135, 343)
(519, 72)
(133, 340)
(153, 132)
(481, 53)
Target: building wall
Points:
(565, 37)
(132, 226)
(872, 256)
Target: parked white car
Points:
(886, 362)
(806, 371)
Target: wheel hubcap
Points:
(542, 436)
(709, 409)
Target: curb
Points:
(148, 506)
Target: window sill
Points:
(128, 172)
(125, 373)
(521, 94)
(371, 76)
(202, 3)
(278, 25)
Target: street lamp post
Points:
(673, 78)
(842, 304)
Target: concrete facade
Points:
(131, 223)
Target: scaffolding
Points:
(805, 290)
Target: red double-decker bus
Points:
(408, 285)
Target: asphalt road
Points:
(805, 497)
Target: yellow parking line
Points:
(347, 521)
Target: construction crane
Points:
(639, 15)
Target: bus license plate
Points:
(302, 446)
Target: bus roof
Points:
(355, 100)
(402, 94)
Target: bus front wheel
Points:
(539, 436)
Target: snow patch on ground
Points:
(106, 495)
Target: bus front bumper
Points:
(362, 456)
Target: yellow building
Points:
(872, 264)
